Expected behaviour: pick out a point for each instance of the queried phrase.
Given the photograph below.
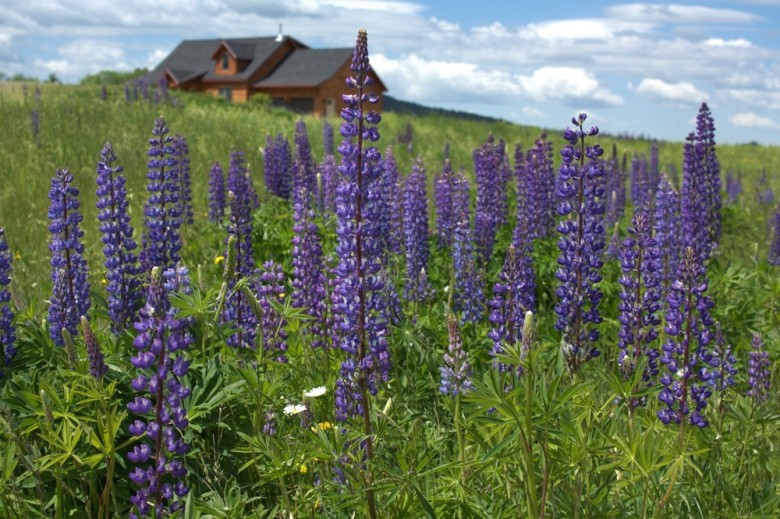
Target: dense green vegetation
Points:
(549, 446)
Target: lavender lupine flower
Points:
(358, 297)
(269, 424)
(329, 178)
(123, 272)
(513, 296)
(162, 210)
(615, 191)
(445, 212)
(546, 177)
(653, 171)
(639, 301)
(640, 182)
(758, 370)
(710, 172)
(733, 187)
(666, 229)
(390, 214)
(270, 287)
(278, 166)
(304, 176)
(487, 165)
(7, 330)
(182, 153)
(468, 296)
(456, 371)
(158, 454)
(685, 354)
(217, 195)
(723, 360)
(693, 210)
(327, 139)
(70, 296)
(774, 247)
(309, 282)
(416, 234)
(581, 245)
(97, 364)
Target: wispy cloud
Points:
(751, 120)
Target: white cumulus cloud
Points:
(752, 120)
(682, 92)
(571, 85)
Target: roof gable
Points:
(307, 67)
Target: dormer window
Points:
(225, 61)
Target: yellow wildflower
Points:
(218, 260)
(303, 469)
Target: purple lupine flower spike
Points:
(487, 165)
(70, 295)
(416, 234)
(723, 360)
(581, 210)
(217, 194)
(97, 365)
(468, 297)
(639, 302)
(758, 370)
(686, 356)
(445, 211)
(357, 298)
(162, 209)
(774, 247)
(270, 287)
(666, 228)
(327, 139)
(456, 371)
(7, 330)
(161, 416)
(123, 272)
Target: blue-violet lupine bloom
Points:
(445, 211)
(513, 296)
(304, 175)
(710, 174)
(774, 247)
(666, 230)
(329, 178)
(685, 353)
(278, 166)
(456, 370)
(70, 295)
(182, 152)
(581, 245)
(358, 297)
(639, 301)
(758, 370)
(160, 449)
(640, 183)
(270, 287)
(123, 272)
(309, 282)
(390, 212)
(416, 234)
(97, 364)
(488, 161)
(723, 360)
(162, 210)
(217, 194)
(7, 330)
(733, 187)
(468, 297)
(327, 139)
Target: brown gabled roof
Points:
(307, 67)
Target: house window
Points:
(225, 61)
(226, 93)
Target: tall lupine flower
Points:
(640, 182)
(723, 360)
(653, 171)
(710, 173)
(122, 269)
(278, 166)
(158, 455)
(162, 210)
(270, 287)
(445, 211)
(615, 196)
(456, 371)
(7, 330)
(182, 152)
(304, 175)
(528, 211)
(416, 234)
(97, 364)
(505, 175)
(733, 187)
(217, 195)
(639, 301)
(487, 166)
(666, 229)
(70, 296)
(581, 244)
(358, 297)
(327, 139)
(390, 214)
(513, 296)
(685, 354)
(467, 297)
(545, 173)
(774, 247)
(758, 370)
(693, 209)
(309, 283)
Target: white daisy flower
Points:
(291, 409)
(314, 393)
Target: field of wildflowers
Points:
(274, 316)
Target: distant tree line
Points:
(112, 77)
(29, 79)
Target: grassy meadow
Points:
(549, 446)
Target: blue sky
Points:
(636, 68)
